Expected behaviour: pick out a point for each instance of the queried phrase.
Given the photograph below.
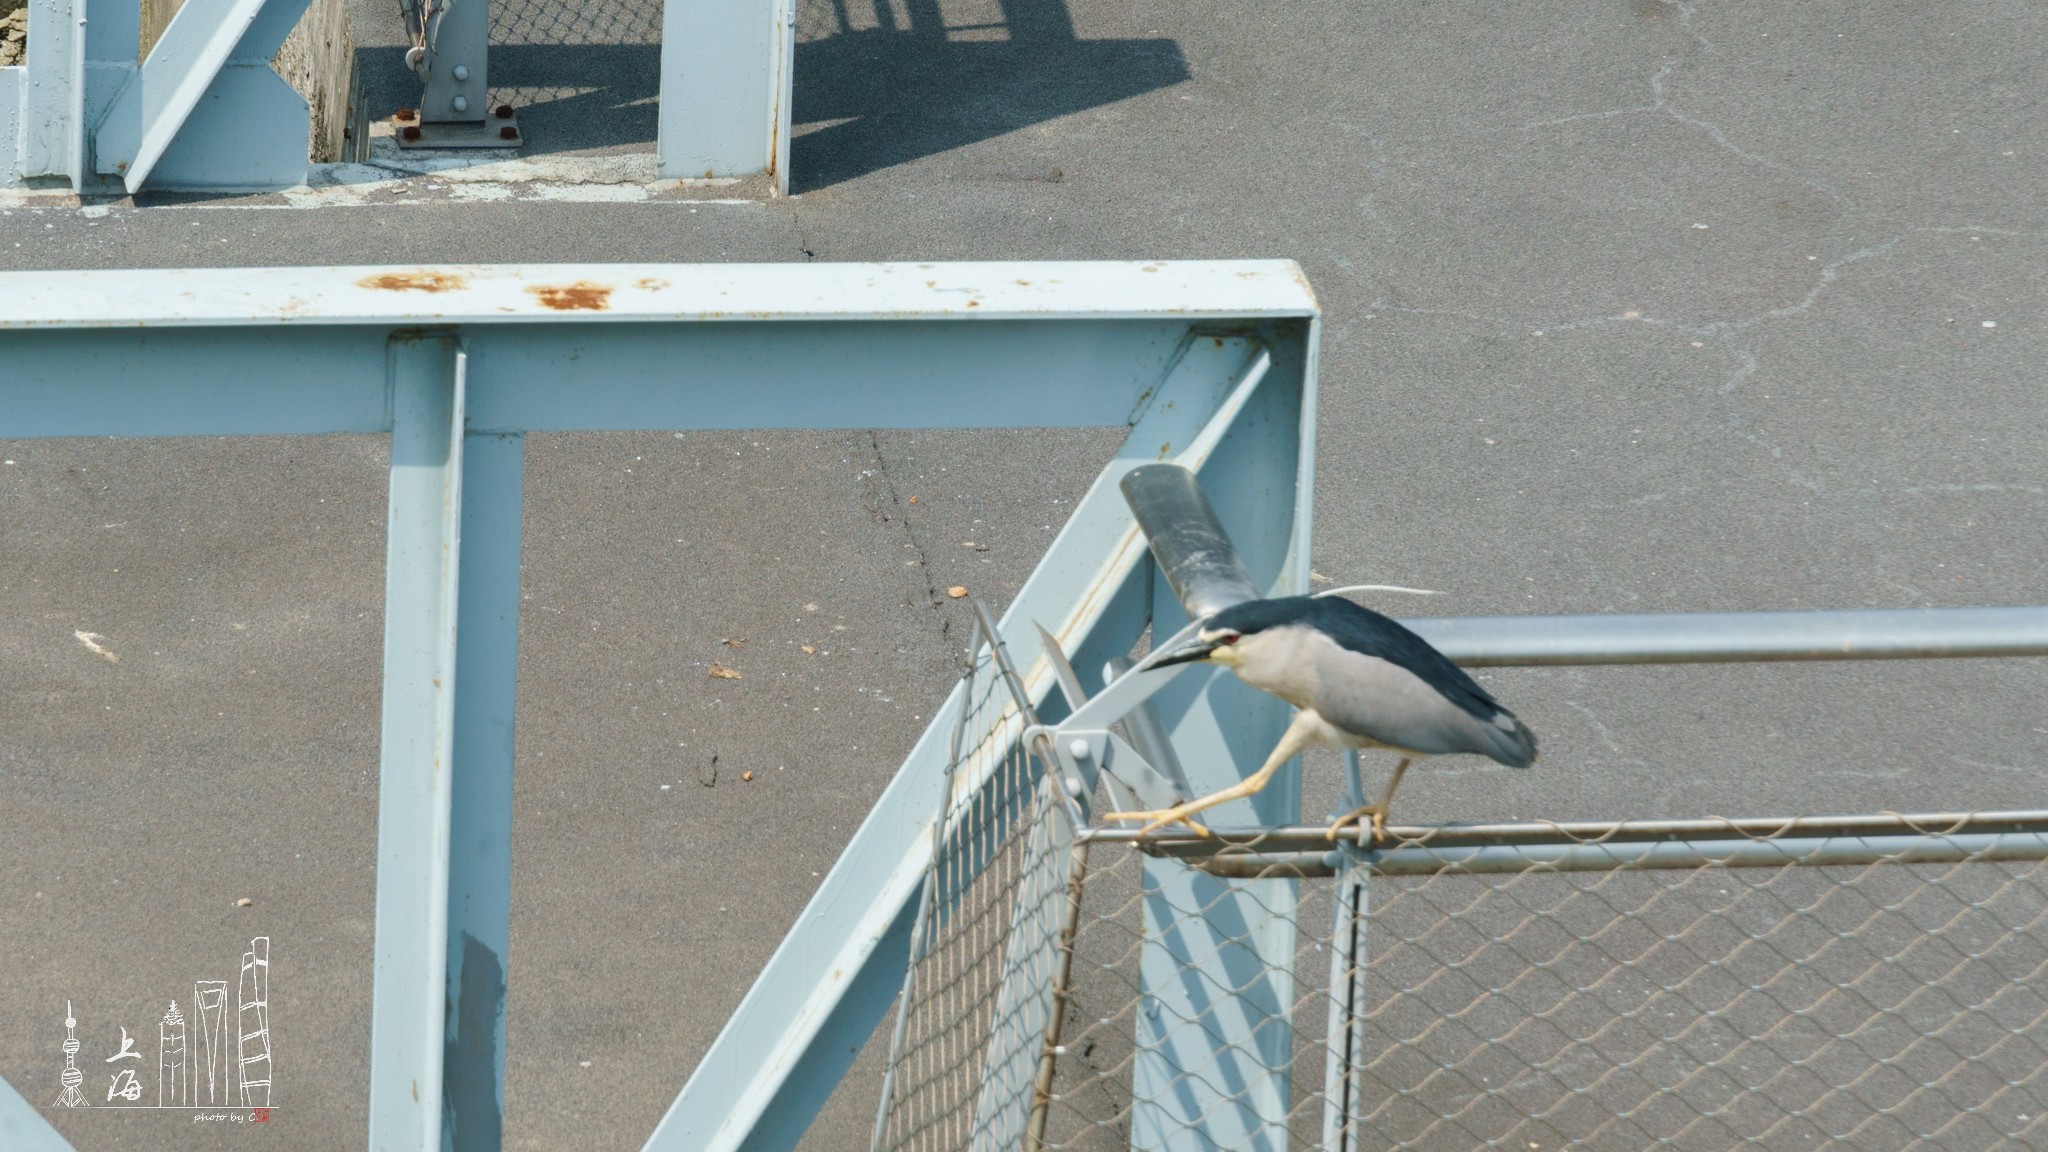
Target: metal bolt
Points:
(462, 71)
(410, 131)
(508, 132)
(460, 103)
(1078, 747)
(504, 111)
(405, 114)
(1074, 788)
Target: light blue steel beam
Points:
(725, 89)
(833, 977)
(53, 101)
(264, 381)
(1214, 1022)
(909, 374)
(480, 835)
(408, 1022)
(182, 66)
(22, 1127)
(1025, 1000)
(276, 380)
(13, 92)
(298, 350)
(572, 297)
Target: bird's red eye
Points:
(1231, 638)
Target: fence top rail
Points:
(1314, 838)
(523, 293)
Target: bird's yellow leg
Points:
(1378, 810)
(1291, 743)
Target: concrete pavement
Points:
(1632, 306)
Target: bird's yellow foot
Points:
(1160, 819)
(1377, 812)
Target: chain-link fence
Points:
(1877, 983)
(592, 22)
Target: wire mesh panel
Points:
(970, 1035)
(592, 22)
(1715, 985)
(1879, 1007)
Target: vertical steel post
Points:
(1214, 1027)
(408, 1022)
(480, 835)
(1344, 1040)
(53, 106)
(725, 84)
(454, 108)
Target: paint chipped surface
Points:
(582, 296)
(420, 281)
(455, 294)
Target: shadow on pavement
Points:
(885, 96)
(901, 95)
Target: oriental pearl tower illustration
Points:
(71, 1077)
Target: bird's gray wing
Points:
(1387, 703)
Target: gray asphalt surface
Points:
(1628, 306)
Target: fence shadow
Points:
(888, 96)
(883, 95)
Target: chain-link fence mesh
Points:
(1782, 990)
(969, 1034)
(590, 22)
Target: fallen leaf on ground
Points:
(913, 499)
(724, 673)
(809, 651)
(957, 592)
(978, 547)
(244, 902)
(747, 775)
(739, 643)
(93, 640)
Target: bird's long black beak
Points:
(1196, 649)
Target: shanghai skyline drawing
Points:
(195, 1065)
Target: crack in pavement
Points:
(896, 510)
(1660, 101)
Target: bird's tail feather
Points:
(1514, 747)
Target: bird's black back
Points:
(1364, 631)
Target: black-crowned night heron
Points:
(1360, 680)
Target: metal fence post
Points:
(451, 54)
(408, 1022)
(53, 103)
(725, 84)
(480, 833)
(1344, 1038)
(1214, 1025)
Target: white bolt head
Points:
(462, 71)
(460, 103)
(1078, 747)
